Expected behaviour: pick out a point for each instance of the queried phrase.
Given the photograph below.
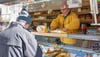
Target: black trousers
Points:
(39, 52)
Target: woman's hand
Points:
(52, 28)
(64, 29)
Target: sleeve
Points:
(15, 51)
(31, 47)
(55, 22)
(74, 23)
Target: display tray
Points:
(72, 51)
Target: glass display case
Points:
(86, 45)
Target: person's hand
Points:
(64, 29)
(52, 28)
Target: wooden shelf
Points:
(86, 12)
(45, 20)
(87, 3)
(50, 20)
(83, 12)
(87, 21)
(44, 15)
(78, 13)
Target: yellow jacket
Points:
(71, 22)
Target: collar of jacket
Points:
(67, 14)
(20, 25)
(14, 24)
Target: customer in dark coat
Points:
(17, 41)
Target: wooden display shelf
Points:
(32, 15)
(83, 12)
(87, 21)
(87, 3)
(79, 13)
(44, 20)
(50, 20)
(86, 12)
(49, 14)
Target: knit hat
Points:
(24, 16)
(64, 5)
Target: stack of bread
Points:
(57, 53)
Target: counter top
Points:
(76, 36)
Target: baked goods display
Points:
(57, 52)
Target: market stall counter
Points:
(51, 49)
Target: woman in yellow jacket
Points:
(68, 22)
